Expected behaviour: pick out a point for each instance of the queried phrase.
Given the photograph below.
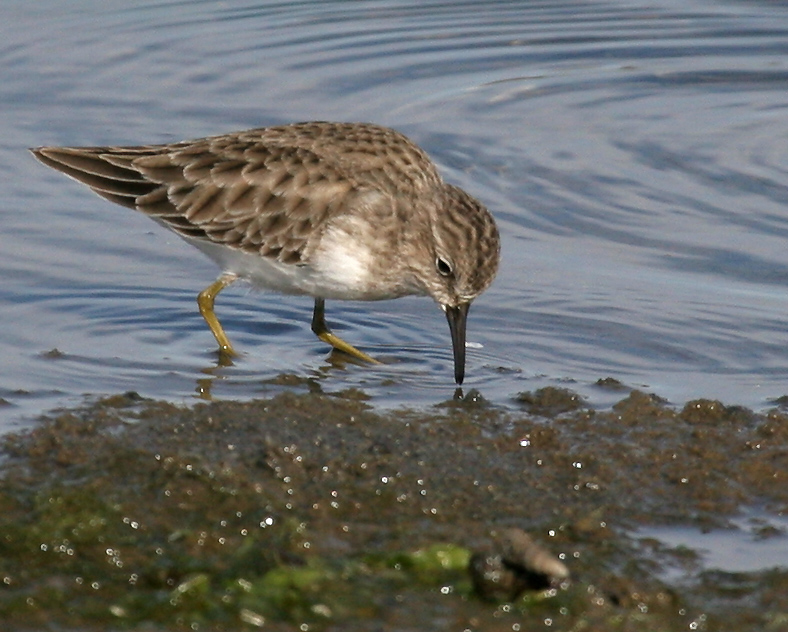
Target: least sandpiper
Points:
(348, 211)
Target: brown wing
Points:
(379, 157)
(234, 189)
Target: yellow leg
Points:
(324, 333)
(205, 300)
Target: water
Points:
(741, 549)
(632, 152)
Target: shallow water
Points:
(742, 549)
(632, 152)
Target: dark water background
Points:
(634, 154)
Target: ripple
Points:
(632, 153)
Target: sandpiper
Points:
(350, 211)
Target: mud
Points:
(310, 511)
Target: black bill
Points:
(457, 317)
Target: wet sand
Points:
(310, 511)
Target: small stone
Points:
(512, 565)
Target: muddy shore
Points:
(309, 511)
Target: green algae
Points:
(316, 512)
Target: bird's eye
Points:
(443, 267)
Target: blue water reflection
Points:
(633, 154)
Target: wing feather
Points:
(235, 191)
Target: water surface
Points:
(633, 154)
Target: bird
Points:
(332, 210)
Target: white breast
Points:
(342, 262)
(339, 268)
